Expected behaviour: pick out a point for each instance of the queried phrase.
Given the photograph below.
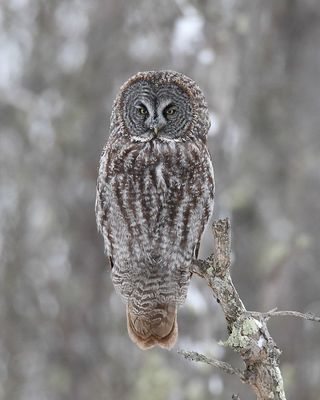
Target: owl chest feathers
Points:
(156, 200)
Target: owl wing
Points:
(101, 208)
(102, 203)
(208, 204)
(187, 203)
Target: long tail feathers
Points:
(156, 328)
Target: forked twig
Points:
(282, 313)
(224, 366)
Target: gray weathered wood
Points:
(249, 335)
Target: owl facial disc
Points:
(154, 112)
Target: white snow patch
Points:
(72, 21)
(144, 47)
(215, 123)
(10, 61)
(261, 342)
(206, 56)
(72, 55)
(258, 323)
(231, 138)
(215, 385)
(188, 32)
(16, 5)
(195, 300)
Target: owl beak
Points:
(156, 126)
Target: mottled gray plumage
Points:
(155, 194)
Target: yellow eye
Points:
(143, 110)
(171, 111)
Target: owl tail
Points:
(158, 327)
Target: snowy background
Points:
(62, 328)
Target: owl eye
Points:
(170, 110)
(142, 110)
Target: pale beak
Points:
(156, 130)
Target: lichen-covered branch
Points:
(249, 336)
(224, 366)
(248, 332)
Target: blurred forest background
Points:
(62, 328)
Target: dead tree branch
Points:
(248, 332)
(276, 313)
(224, 366)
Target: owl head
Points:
(163, 106)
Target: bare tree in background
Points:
(61, 333)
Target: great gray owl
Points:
(155, 194)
